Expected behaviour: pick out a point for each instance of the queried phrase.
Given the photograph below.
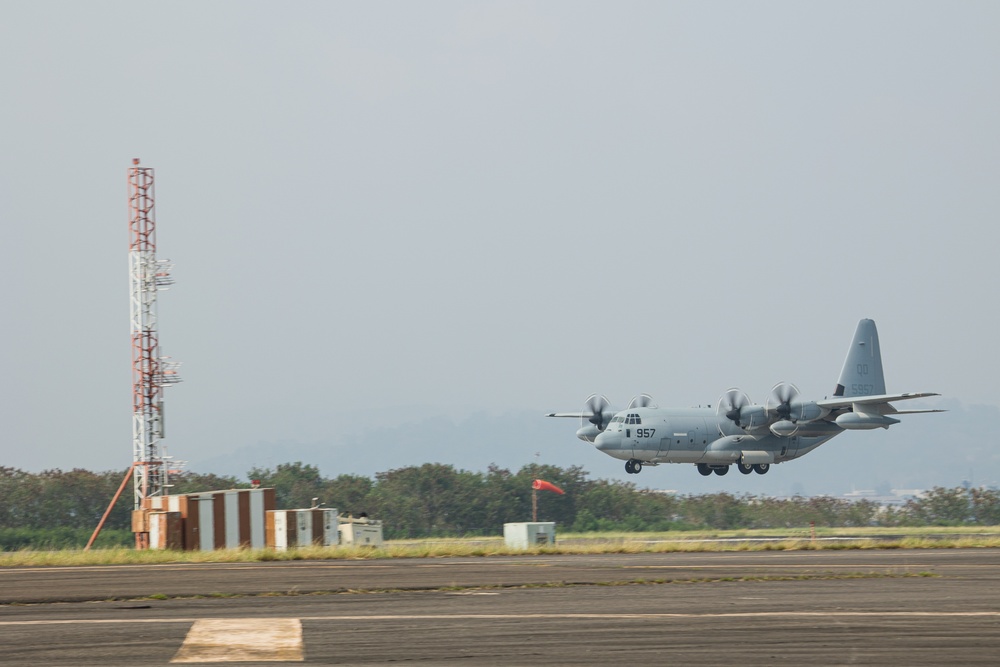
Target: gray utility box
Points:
(525, 535)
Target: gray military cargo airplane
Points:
(741, 433)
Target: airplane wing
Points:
(578, 415)
(878, 399)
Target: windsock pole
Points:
(535, 486)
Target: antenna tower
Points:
(150, 371)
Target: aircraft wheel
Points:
(636, 467)
(628, 467)
(761, 468)
(745, 468)
(721, 470)
(704, 469)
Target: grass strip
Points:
(633, 543)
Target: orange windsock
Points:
(546, 486)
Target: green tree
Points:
(295, 484)
(941, 507)
(429, 500)
(349, 494)
(718, 510)
(985, 506)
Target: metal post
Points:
(111, 505)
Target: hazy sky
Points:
(385, 209)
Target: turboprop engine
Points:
(737, 407)
(596, 415)
(785, 411)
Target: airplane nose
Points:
(606, 441)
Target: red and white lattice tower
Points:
(150, 371)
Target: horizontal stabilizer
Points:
(835, 403)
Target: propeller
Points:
(640, 401)
(782, 403)
(731, 405)
(596, 406)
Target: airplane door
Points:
(683, 445)
(664, 447)
(672, 445)
(630, 439)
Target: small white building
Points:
(360, 532)
(529, 534)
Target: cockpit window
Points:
(633, 419)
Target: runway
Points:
(916, 607)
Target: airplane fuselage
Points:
(697, 435)
(739, 432)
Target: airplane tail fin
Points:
(862, 372)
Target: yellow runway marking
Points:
(242, 640)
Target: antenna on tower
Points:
(151, 371)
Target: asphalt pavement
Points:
(881, 607)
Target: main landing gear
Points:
(745, 468)
(633, 466)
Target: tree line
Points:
(56, 508)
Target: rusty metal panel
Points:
(166, 530)
(270, 531)
(243, 501)
(140, 521)
(270, 499)
(219, 518)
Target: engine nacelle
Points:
(810, 411)
(784, 428)
(752, 417)
(860, 421)
(588, 433)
